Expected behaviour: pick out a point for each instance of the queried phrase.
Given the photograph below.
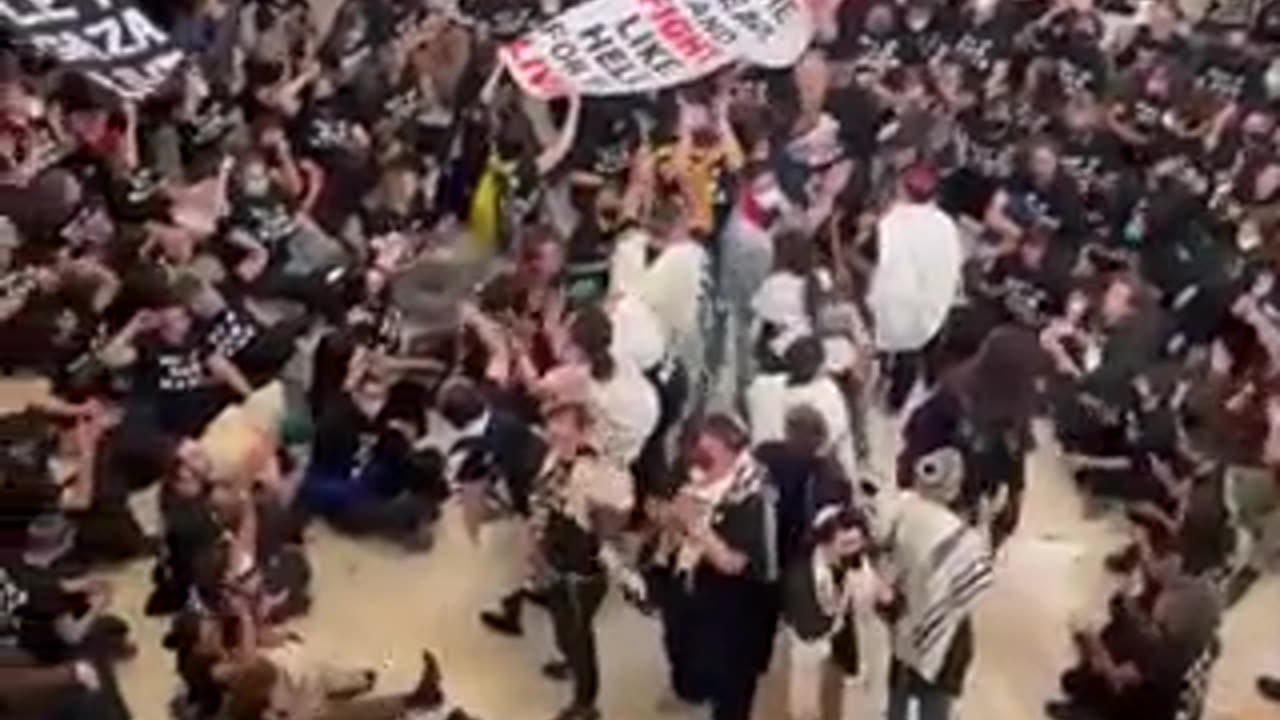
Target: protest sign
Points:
(612, 47)
(110, 41)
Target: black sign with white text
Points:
(110, 41)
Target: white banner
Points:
(110, 41)
(614, 47)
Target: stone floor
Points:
(376, 606)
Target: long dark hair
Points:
(998, 384)
(592, 332)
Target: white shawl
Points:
(944, 565)
(671, 285)
(917, 277)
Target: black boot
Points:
(1269, 687)
(1239, 584)
(1123, 561)
(506, 621)
(557, 670)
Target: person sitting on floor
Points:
(1138, 665)
(364, 475)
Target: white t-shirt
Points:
(770, 398)
(625, 409)
(637, 333)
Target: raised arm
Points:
(559, 148)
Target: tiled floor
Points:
(378, 606)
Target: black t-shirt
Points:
(987, 145)
(1145, 113)
(329, 364)
(40, 603)
(743, 523)
(189, 529)
(216, 117)
(418, 120)
(346, 439)
(860, 118)
(167, 369)
(1032, 294)
(980, 47)
(606, 144)
(504, 18)
(565, 543)
(326, 130)
(1082, 67)
(230, 332)
(1127, 350)
(1092, 159)
(268, 220)
(1231, 74)
(882, 51)
(173, 380)
(921, 46)
(1057, 207)
(1206, 536)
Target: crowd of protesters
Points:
(358, 277)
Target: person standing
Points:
(803, 382)
(668, 270)
(983, 408)
(719, 600)
(493, 462)
(819, 609)
(915, 281)
(581, 500)
(940, 566)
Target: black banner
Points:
(111, 41)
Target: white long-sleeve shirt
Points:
(917, 277)
(673, 286)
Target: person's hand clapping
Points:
(687, 513)
(251, 268)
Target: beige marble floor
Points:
(377, 606)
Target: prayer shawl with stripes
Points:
(944, 565)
